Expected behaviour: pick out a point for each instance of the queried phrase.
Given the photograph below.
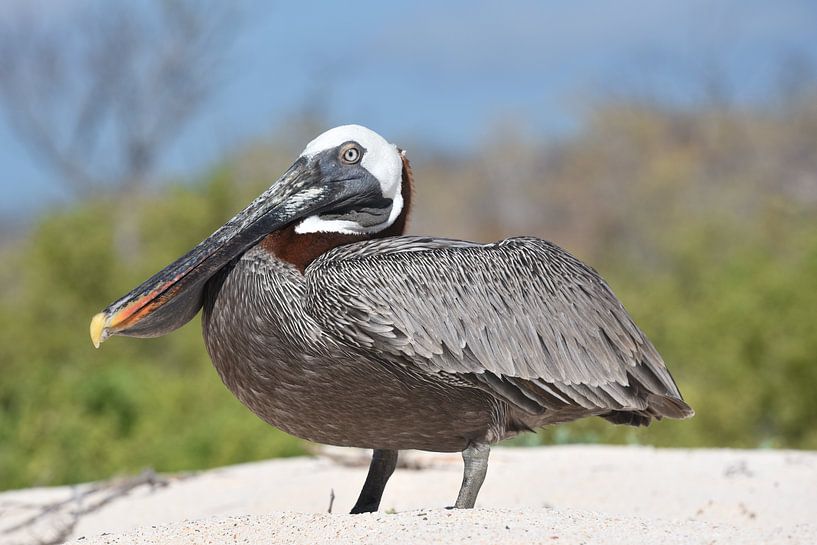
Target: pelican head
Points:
(348, 180)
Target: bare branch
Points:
(100, 95)
(84, 500)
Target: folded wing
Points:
(521, 318)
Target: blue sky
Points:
(445, 73)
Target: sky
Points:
(447, 73)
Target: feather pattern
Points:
(521, 319)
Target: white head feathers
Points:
(380, 158)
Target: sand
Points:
(555, 495)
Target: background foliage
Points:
(703, 220)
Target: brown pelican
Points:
(329, 324)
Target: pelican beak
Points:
(171, 297)
(97, 327)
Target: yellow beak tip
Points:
(98, 329)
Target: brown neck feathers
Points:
(302, 249)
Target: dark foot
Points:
(381, 468)
(476, 465)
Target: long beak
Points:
(171, 297)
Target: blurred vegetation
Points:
(704, 221)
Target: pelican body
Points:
(330, 324)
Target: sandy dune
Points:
(562, 495)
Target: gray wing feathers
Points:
(521, 318)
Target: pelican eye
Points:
(351, 154)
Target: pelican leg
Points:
(476, 465)
(381, 468)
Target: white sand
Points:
(561, 495)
